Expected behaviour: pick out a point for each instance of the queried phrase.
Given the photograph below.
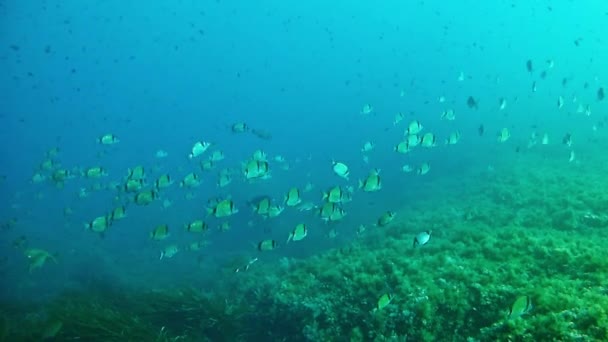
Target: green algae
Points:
(531, 232)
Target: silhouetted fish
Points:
(471, 102)
(480, 130)
(262, 134)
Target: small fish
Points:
(480, 130)
(422, 238)
(372, 182)
(472, 103)
(386, 218)
(256, 169)
(398, 118)
(198, 149)
(367, 146)
(223, 208)
(161, 154)
(298, 233)
(98, 225)
(341, 169)
(502, 104)
(337, 195)
(95, 172)
(428, 140)
(367, 109)
(169, 252)
(145, 197)
(164, 181)
(460, 77)
(137, 173)
(293, 197)
(572, 157)
(197, 226)
(560, 102)
(239, 127)
(503, 135)
(267, 245)
(453, 138)
(529, 66)
(414, 127)
(160, 232)
(567, 140)
(448, 114)
(108, 139)
(191, 180)
(37, 258)
(384, 301)
(520, 307)
(545, 139)
(246, 267)
(423, 169)
(118, 213)
(217, 156)
(600, 94)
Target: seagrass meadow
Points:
(517, 230)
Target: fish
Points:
(480, 130)
(293, 197)
(262, 134)
(384, 301)
(198, 149)
(502, 103)
(448, 114)
(256, 169)
(239, 127)
(118, 213)
(414, 128)
(161, 232)
(567, 140)
(169, 252)
(503, 135)
(423, 169)
(386, 218)
(197, 226)
(95, 172)
(529, 66)
(37, 258)
(145, 197)
(191, 180)
(367, 109)
(428, 140)
(340, 169)
(453, 138)
(600, 94)
(223, 208)
(372, 182)
(472, 103)
(99, 224)
(560, 102)
(298, 233)
(520, 307)
(108, 139)
(267, 245)
(337, 195)
(367, 146)
(422, 238)
(163, 181)
(161, 154)
(137, 173)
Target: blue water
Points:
(162, 75)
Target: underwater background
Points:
(437, 171)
